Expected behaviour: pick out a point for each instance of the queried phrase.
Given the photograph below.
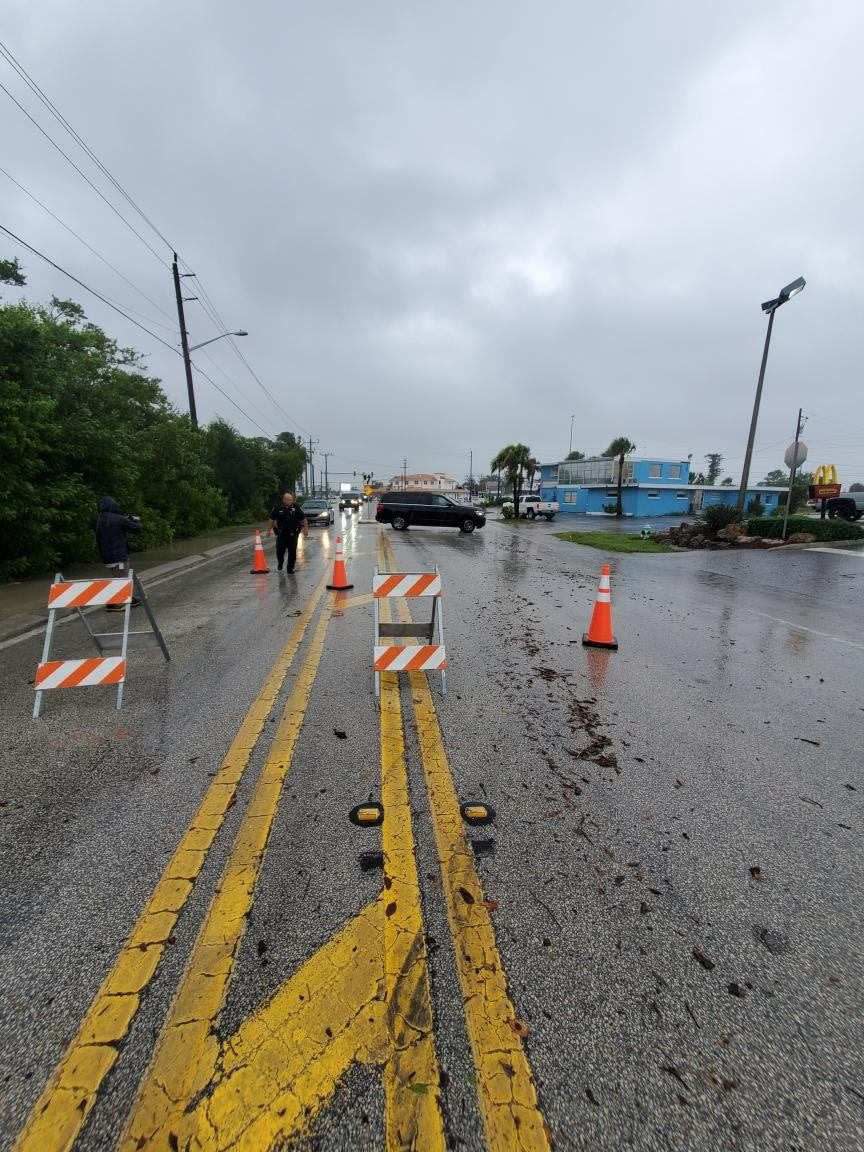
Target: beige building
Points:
(424, 482)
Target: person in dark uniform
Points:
(288, 521)
(112, 529)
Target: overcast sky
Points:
(450, 226)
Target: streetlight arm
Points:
(212, 339)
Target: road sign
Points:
(795, 459)
(824, 491)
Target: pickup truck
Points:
(533, 506)
(848, 506)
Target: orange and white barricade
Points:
(115, 592)
(430, 656)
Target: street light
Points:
(769, 307)
(219, 337)
(572, 418)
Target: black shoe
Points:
(278, 567)
(290, 571)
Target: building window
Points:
(612, 492)
(682, 495)
(569, 497)
(674, 471)
(654, 471)
(653, 495)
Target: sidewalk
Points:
(23, 603)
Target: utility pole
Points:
(311, 470)
(404, 471)
(793, 469)
(471, 473)
(326, 456)
(184, 341)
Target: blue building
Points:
(651, 487)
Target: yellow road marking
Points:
(186, 1056)
(349, 1003)
(357, 601)
(506, 1091)
(70, 1094)
(411, 1075)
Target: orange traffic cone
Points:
(259, 560)
(339, 579)
(599, 634)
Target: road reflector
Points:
(367, 815)
(474, 813)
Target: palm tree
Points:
(619, 447)
(514, 460)
(531, 471)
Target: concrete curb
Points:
(22, 627)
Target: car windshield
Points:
(314, 505)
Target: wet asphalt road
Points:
(676, 861)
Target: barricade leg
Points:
(145, 604)
(127, 612)
(439, 612)
(46, 652)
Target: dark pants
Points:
(284, 543)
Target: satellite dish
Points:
(795, 459)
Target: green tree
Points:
(514, 460)
(715, 464)
(619, 447)
(727, 481)
(80, 418)
(10, 273)
(575, 455)
(775, 478)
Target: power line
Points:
(58, 115)
(222, 392)
(82, 174)
(131, 320)
(95, 252)
(87, 288)
(214, 315)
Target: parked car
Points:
(532, 507)
(848, 506)
(350, 501)
(318, 511)
(429, 509)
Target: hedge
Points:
(821, 529)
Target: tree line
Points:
(81, 418)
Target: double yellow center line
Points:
(69, 1095)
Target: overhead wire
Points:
(82, 174)
(34, 87)
(172, 326)
(132, 320)
(212, 311)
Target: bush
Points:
(755, 507)
(717, 516)
(821, 529)
(507, 510)
(610, 509)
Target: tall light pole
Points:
(221, 336)
(570, 449)
(770, 307)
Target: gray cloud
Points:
(449, 227)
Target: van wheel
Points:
(400, 523)
(467, 526)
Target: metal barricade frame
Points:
(410, 585)
(130, 588)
